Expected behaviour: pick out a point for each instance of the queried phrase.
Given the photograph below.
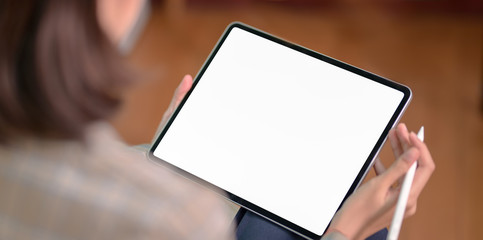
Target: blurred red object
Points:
(449, 6)
(455, 6)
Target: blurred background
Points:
(434, 47)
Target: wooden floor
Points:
(440, 56)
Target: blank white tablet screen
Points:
(281, 129)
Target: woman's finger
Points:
(400, 167)
(403, 136)
(179, 94)
(425, 166)
(395, 144)
(379, 167)
(182, 89)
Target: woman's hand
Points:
(371, 207)
(179, 94)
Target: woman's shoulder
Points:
(105, 181)
(183, 206)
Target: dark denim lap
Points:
(253, 227)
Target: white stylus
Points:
(403, 197)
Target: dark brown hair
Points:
(58, 71)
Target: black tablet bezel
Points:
(246, 204)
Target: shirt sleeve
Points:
(334, 236)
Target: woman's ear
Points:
(123, 20)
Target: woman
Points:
(64, 173)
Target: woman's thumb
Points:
(401, 166)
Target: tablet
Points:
(279, 129)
